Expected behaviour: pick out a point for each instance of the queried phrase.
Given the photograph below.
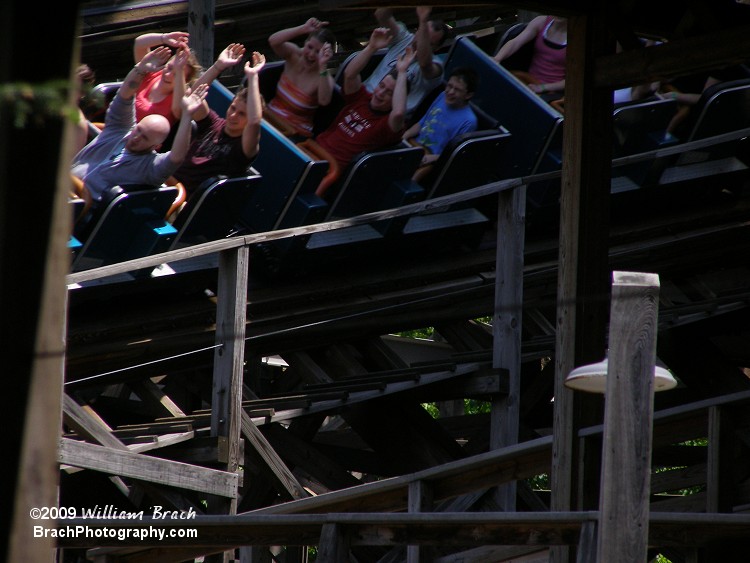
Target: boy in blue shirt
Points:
(448, 116)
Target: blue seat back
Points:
(723, 108)
(469, 160)
(641, 126)
(531, 122)
(214, 211)
(129, 222)
(378, 180)
(288, 173)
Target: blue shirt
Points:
(442, 123)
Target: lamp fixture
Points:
(592, 378)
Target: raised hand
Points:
(181, 58)
(193, 99)
(405, 59)
(423, 12)
(155, 60)
(254, 66)
(175, 39)
(231, 55)
(313, 24)
(324, 55)
(380, 37)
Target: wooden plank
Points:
(146, 468)
(151, 393)
(363, 396)
(531, 528)
(162, 442)
(540, 529)
(87, 426)
(266, 452)
(628, 418)
(306, 457)
(154, 428)
(448, 480)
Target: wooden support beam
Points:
(88, 426)
(333, 545)
(266, 452)
(628, 418)
(420, 501)
(147, 468)
(584, 232)
(720, 481)
(301, 454)
(150, 393)
(506, 325)
(583, 285)
(229, 357)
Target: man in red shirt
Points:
(368, 121)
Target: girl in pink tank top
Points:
(549, 37)
(548, 61)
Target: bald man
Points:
(125, 152)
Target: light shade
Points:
(592, 378)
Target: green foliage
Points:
(472, 406)
(432, 409)
(425, 333)
(32, 104)
(539, 482)
(699, 443)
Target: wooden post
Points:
(720, 481)
(420, 500)
(334, 545)
(201, 28)
(628, 418)
(34, 260)
(226, 407)
(583, 278)
(506, 325)
(226, 421)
